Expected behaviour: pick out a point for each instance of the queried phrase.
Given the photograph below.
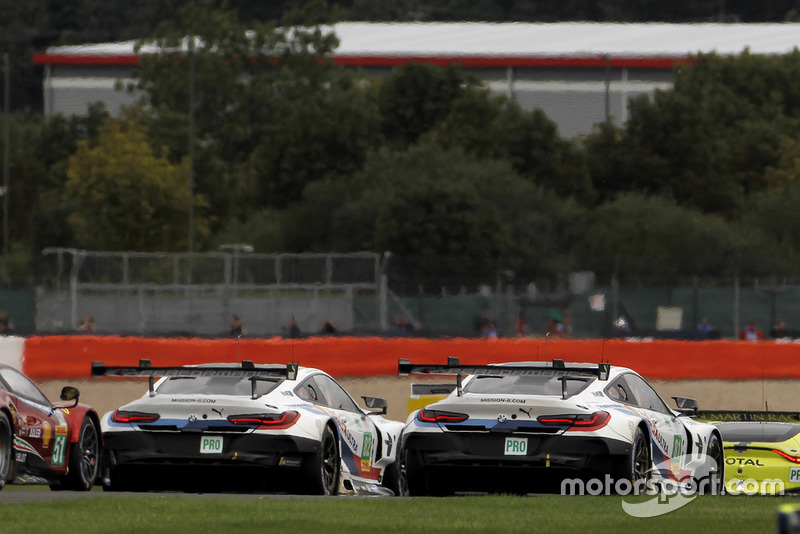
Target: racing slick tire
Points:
(416, 478)
(393, 480)
(636, 466)
(321, 470)
(84, 458)
(6, 451)
(715, 451)
(640, 456)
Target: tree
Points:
(444, 209)
(128, 197)
(491, 127)
(707, 142)
(655, 237)
(272, 112)
(416, 98)
(772, 213)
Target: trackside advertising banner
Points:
(60, 357)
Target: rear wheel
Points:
(717, 475)
(322, 469)
(393, 480)
(416, 478)
(6, 451)
(640, 457)
(83, 458)
(636, 466)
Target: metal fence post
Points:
(736, 297)
(77, 260)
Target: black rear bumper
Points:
(476, 461)
(172, 460)
(486, 449)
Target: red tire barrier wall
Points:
(71, 356)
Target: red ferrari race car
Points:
(43, 443)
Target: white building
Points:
(578, 73)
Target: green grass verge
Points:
(541, 514)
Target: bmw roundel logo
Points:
(502, 418)
(193, 418)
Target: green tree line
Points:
(292, 153)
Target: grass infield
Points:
(245, 514)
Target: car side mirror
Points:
(376, 403)
(70, 393)
(686, 405)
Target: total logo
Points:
(743, 461)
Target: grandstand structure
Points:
(579, 74)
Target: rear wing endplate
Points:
(556, 368)
(734, 415)
(145, 368)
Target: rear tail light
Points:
(121, 416)
(789, 457)
(273, 421)
(585, 422)
(437, 416)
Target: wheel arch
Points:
(5, 411)
(76, 416)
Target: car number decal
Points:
(210, 444)
(59, 446)
(794, 474)
(516, 447)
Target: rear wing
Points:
(556, 368)
(145, 368)
(431, 389)
(720, 416)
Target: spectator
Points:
(88, 324)
(328, 327)
(236, 327)
(555, 324)
(6, 325)
(751, 332)
(489, 330)
(293, 330)
(567, 324)
(522, 326)
(780, 331)
(704, 327)
(621, 326)
(403, 325)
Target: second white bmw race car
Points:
(530, 426)
(246, 427)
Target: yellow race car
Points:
(762, 450)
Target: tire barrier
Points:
(60, 357)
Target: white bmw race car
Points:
(246, 427)
(518, 427)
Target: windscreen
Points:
(527, 385)
(217, 385)
(757, 431)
